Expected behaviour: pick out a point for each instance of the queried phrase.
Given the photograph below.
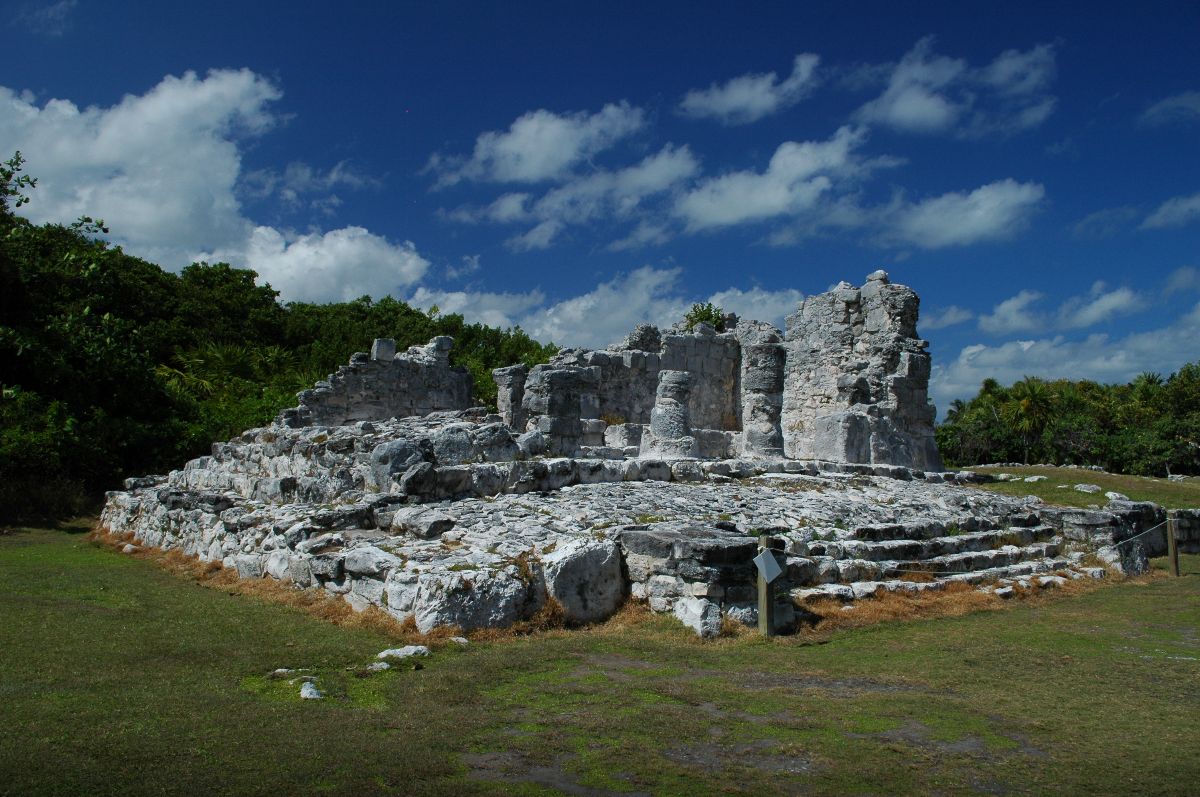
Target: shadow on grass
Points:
(79, 525)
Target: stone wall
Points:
(626, 377)
(384, 384)
(857, 377)
(714, 361)
(624, 381)
(847, 383)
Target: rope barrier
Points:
(1142, 534)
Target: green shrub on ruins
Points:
(707, 313)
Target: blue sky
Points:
(576, 168)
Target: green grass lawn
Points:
(1172, 495)
(119, 678)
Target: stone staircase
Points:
(923, 557)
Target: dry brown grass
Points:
(954, 601)
(826, 615)
(315, 602)
(820, 618)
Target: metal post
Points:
(1172, 545)
(766, 595)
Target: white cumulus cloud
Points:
(601, 194)
(1175, 212)
(1182, 107)
(930, 93)
(991, 212)
(160, 168)
(495, 309)
(1182, 280)
(943, 317)
(750, 97)
(610, 310)
(796, 178)
(1014, 315)
(164, 168)
(539, 145)
(759, 304)
(1098, 357)
(338, 265)
(1104, 223)
(1099, 305)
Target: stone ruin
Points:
(847, 382)
(647, 470)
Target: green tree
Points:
(1029, 409)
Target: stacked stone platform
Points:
(679, 535)
(648, 471)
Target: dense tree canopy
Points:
(1149, 427)
(111, 366)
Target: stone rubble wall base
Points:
(699, 573)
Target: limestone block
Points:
(454, 445)
(276, 565)
(472, 599)
(249, 565)
(623, 435)
(662, 591)
(585, 577)
(369, 562)
(393, 458)
(422, 522)
(532, 443)
(510, 390)
(699, 614)
(383, 350)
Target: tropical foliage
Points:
(111, 366)
(1149, 427)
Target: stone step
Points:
(811, 571)
(969, 561)
(913, 549)
(1039, 573)
(880, 532)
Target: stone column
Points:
(669, 435)
(762, 399)
(510, 391)
(551, 403)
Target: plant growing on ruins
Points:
(707, 313)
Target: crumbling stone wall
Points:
(714, 361)
(384, 384)
(847, 383)
(626, 377)
(624, 381)
(857, 377)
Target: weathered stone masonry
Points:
(645, 470)
(848, 382)
(384, 384)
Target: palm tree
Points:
(1029, 409)
(955, 411)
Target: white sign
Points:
(768, 568)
